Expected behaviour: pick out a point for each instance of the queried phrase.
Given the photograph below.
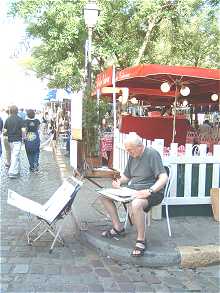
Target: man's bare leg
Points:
(138, 206)
(111, 209)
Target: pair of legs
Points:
(138, 207)
(7, 151)
(15, 148)
(33, 159)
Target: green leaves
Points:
(183, 32)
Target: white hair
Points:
(133, 138)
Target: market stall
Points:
(153, 86)
(155, 127)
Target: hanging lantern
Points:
(185, 91)
(214, 97)
(185, 103)
(134, 101)
(165, 87)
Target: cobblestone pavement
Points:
(75, 267)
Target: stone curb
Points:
(197, 256)
(122, 255)
(182, 256)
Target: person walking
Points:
(5, 143)
(1, 127)
(22, 114)
(14, 127)
(32, 140)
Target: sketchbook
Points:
(122, 194)
(51, 209)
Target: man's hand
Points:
(116, 183)
(142, 194)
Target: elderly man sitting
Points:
(144, 173)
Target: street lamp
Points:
(91, 13)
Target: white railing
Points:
(194, 174)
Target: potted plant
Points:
(93, 113)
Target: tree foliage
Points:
(175, 32)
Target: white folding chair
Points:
(165, 200)
(52, 215)
(167, 195)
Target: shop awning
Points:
(57, 95)
(144, 82)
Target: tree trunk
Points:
(155, 20)
(145, 42)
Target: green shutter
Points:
(195, 180)
(180, 180)
(208, 182)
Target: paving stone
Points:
(5, 268)
(121, 278)
(19, 287)
(5, 279)
(142, 287)
(89, 278)
(4, 248)
(3, 288)
(19, 260)
(52, 270)
(36, 269)
(192, 285)
(95, 288)
(72, 269)
(102, 273)
(20, 269)
(74, 288)
(96, 263)
(110, 285)
(206, 284)
(150, 279)
(215, 281)
(126, 286)
(161, 288)
(137, 276)
(116, 269)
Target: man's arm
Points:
(23, 131)
(122, 180)
(1, 125)
(157, 186)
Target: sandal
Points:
(113, 233)
(140, 249)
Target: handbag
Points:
(32, 141)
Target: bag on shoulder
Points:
(32, 141)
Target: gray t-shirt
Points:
(144, 170)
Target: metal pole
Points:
(114, 115)
(114, 99)
(174, 112)
(89, 68)
(86, 62)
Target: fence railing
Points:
(194, 175)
